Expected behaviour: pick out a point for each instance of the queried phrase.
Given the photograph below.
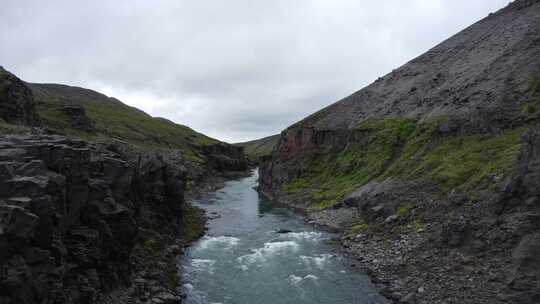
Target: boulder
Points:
(283, 231)
(383, 199)
(78, 118)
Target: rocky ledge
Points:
(432, 171)
(481, 247)
(86, 223)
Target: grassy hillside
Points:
(403, 149)
(258, 148)
(112, 119)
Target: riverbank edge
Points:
(168, 260)
(209, 185)
(362, 268)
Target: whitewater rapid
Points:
(244, 260)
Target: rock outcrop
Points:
(225, 157)
(71, 215)
(431, 172)
(16, 101)
(78, 118)
(482, 80)
(82, 222)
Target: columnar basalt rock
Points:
(16, 101)
(224, 157)
(70, 213)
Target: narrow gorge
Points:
(98, 221)
(422, 187)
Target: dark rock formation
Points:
(383, 199)
(16, 101)
(479, 80)
(439, 160)
(78, 118)
(283, 231)
(224, 157)
(71, 214)
(93, 223)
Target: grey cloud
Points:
(236, 70)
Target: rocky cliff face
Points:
(16, 101)
(225, 157)
(83, 222)
(71, 214)
(430, 171)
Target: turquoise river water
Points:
(242, 260)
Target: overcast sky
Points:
(234, 70)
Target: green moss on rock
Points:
(404, 210)
(359, 228)
(194, 220)
(116, 121)
(323, 204)
(6, 128)
(332, 176)
(456, 161)
(400, 148)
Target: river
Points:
(243, 260)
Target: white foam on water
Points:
(195, 296)
(294, 279)
(221, 242)
(304, 235)
(276, 247)
(317, 261)
(269, 249)
(203, 264)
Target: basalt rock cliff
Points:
(16, 101)
(93, 221)
(431, 172)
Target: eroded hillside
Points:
(430, 171)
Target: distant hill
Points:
(95, 116)
(258, 148)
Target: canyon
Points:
(94, 221)
(423, 187)
(431, 172)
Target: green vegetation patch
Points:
(359, 228)
(116, 121)
(256, 149)
(534, 84)
(460, 161)
(404, 210)
(323, 204)
(7, 128)
(418, 227)
(194, 220)
(332, 176)
(401, 148)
